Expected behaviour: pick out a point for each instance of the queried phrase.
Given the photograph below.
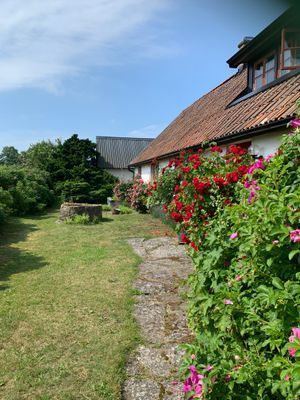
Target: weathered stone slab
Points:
(172, 391)
(136, 389)
(151, 319)
(69, 210)
(161, 314)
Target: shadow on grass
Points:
(105, 219)
(12, 259)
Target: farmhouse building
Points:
(252, 108)
(115, 153)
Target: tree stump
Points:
(69, 210)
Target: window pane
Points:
(259, 68)
(258, 82)
(292, 58)
(296, 57)
(270, 63)
(291, 39)
(283, 72)
(270, 75)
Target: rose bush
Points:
(137, 195)
(241, 219)
(121, 191)
(193, 187)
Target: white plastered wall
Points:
(264, 145)
(163, 163)
(146, 172)
(123, 174)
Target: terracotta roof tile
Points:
(211, 117)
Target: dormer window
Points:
(264, 71)
(270, 57)
(285, 59)
(290, 49)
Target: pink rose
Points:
(295, 123)
(295, 236)
(257, 165)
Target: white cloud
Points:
(42, 42)
(150, 131)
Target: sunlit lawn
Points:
(66, 322)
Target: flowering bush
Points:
(137, 195)
(194, 186)
(241, 220)
(245, 293)
(121, 191)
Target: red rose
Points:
(179, 205)
(176, 216)
(232, 177)
(233, 149)
(217, 149)
(186, 170)
(243, 169)
(219, 180)
(184, 183)
(194, 246)
(184, 238)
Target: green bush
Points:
(245, 295)
(2, 215)
(72, 167)
(125, 210)
(106, 207)
(241, 222)
(24, 190)
(83, 219)
(74, 191)
(101, 195)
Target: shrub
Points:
(246, 290)
(106, 207)
(2, 215)
(83, 219)
(138, 194)
(74, 191)
(125, 210)
(72, 167)
(101, 195)
(121, 191)
(194, 187)
(24, 190)
(242, 225)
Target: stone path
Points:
(160, 313)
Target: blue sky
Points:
(114, 67)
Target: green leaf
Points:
(276, 282)
(293, 253)
(296, 373)
(269, 262)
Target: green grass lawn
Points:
(66, 323)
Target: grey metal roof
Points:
(117, 152)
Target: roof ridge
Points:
(123, 137)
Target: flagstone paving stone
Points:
(160, 310)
